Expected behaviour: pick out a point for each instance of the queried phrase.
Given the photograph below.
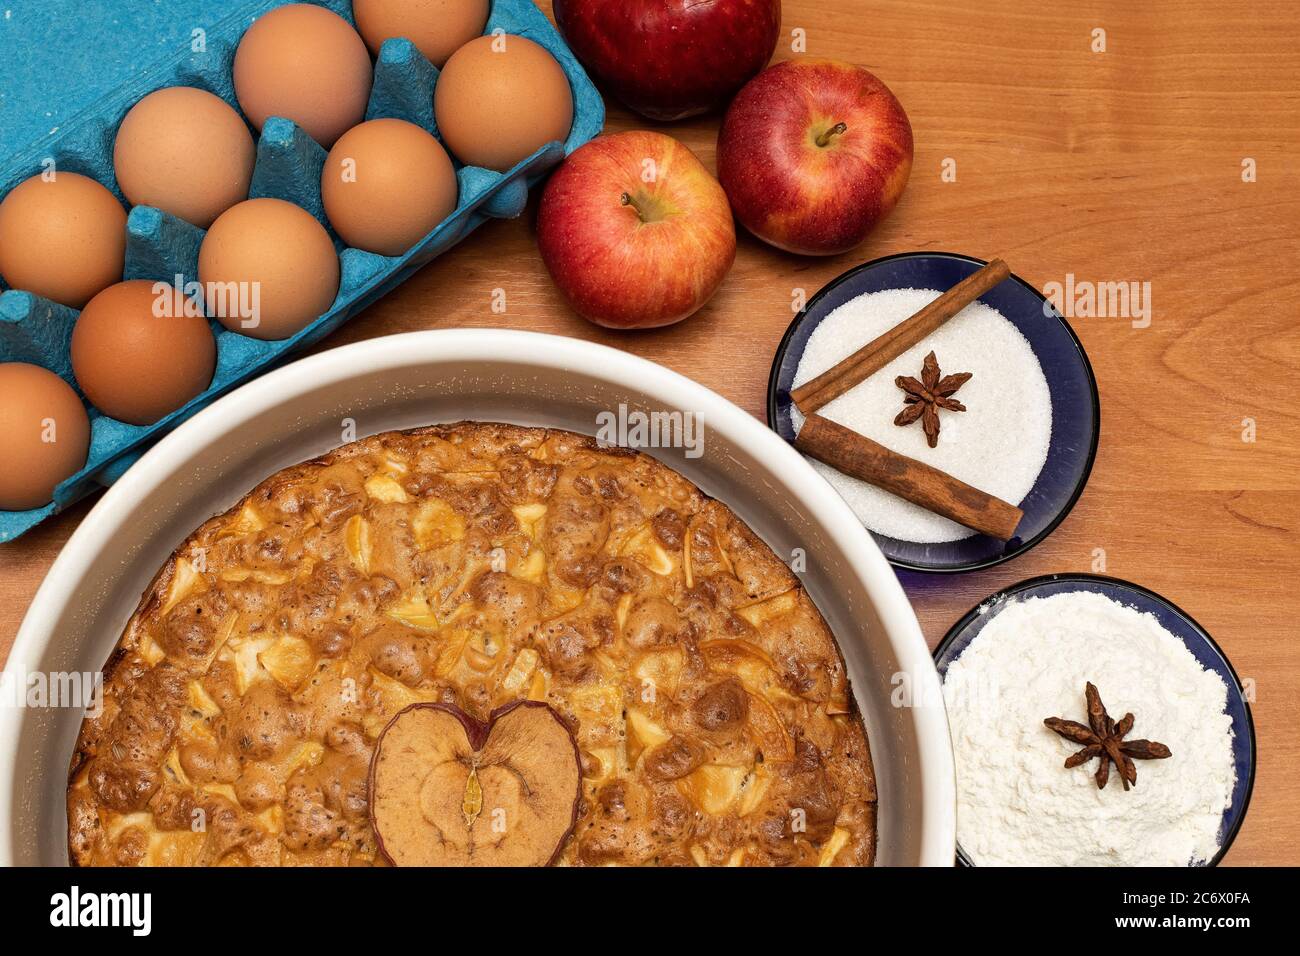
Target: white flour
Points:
(1018, 806)
(999, 444)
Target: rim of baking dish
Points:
(1080, 577)
(225, 415)
(797, 322)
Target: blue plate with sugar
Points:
(1076, 416)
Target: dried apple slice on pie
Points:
(448, 790)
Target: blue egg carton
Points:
(289, 163)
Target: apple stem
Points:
(825, 138)
(627, 200)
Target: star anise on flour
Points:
(1104, 738)
(925, 397)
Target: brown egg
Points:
(437, 27)
(268, 268)
(186, 152)
(386, 184)
(307, 64)
(499, 99)
(63, 238)
(44, 435)
(138, 354)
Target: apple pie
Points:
(415, 587)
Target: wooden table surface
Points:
(1132, 164)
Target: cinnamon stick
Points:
(860, 457)
(883, 349)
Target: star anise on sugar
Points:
(924, 397)
(1104, 738)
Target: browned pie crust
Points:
(474, 564)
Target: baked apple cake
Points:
(474, 644)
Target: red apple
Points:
(813, 153)
(668, 59)
(635, 232)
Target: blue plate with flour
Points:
(1076, 414)
(1173, 619)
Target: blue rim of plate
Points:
(1070, 380)
(1171, 617)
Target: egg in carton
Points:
(163, 248)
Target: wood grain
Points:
(1117, 166)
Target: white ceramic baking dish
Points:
(402, 381)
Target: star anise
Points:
(1104, 738)
(925, 397)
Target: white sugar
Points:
(999, 444)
